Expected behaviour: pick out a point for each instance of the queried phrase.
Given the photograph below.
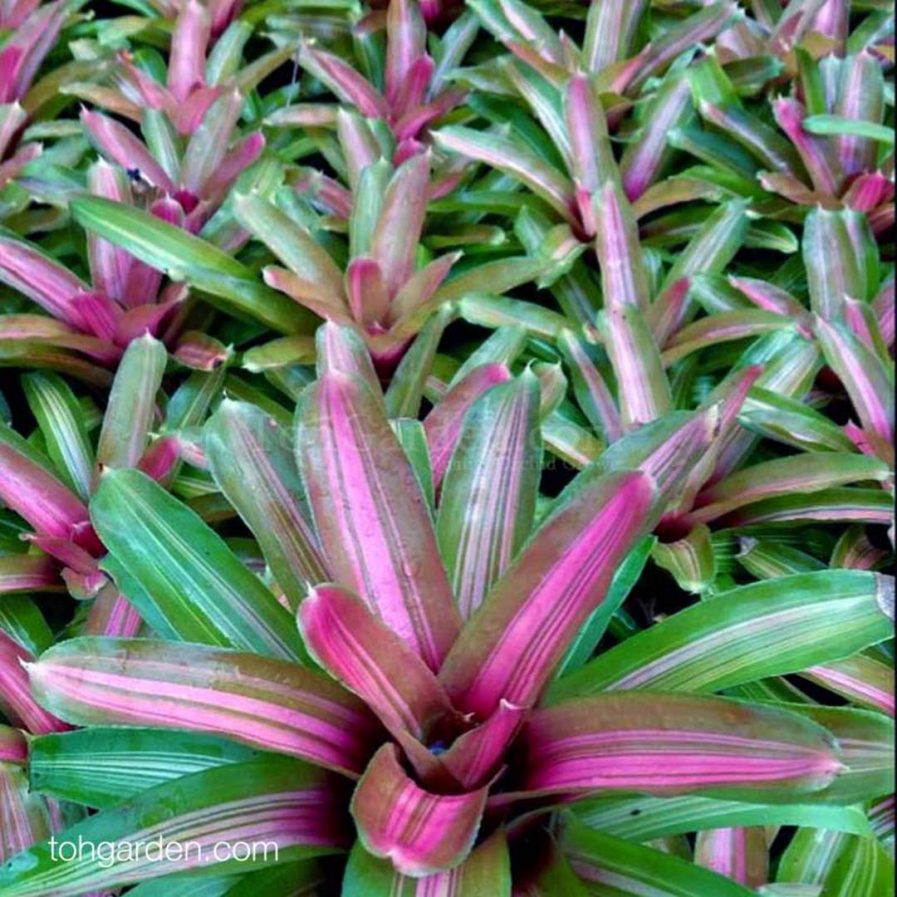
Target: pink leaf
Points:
(672, 744)
(443, 424)
(16, 700)
(120, 145)
(42, 280)
(271, 704)
(402, 212)
(372, 661)
(422, 833)
(186, 65)
(510, 647)
(406, 36)
(371, 517)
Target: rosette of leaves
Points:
(403, 88)
(436, 600)
(47, 480)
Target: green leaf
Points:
(104, 766)
(644, 818)
(852, 127)
(132, 403)
(843, 865)
(251, 459)
(185, 257)
(61, 420)
(768, 628)
(866, 739)
(620, 868)
(190, 584)
(277, 805)
(489, 490)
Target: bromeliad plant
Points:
(49, 486)
(91, 325)
(443, 609)
(384, 290)
(446, 448)
(408, 92)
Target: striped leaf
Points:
(669, 744)
(866, 743)
(624, 279)
(643, 387)
(24, 817)
(371, 517)
(860, 678)
(181, 575)
(251, 459)
(31, 488)
(444, 425)
(132, 403)
(764, 629)
(185, 257)
(489, 489)
(845, 866)
(268, 704)
(104, 766)
(515, 160)
(645, 818)
(372, 661)
(740, 854)
(279, 806)
(804, 473)
(610, 865)
(486, 871)
(291, 244)
(61, 420)
(867, 380)
(422, 833)
(510, 647)
(16, 700)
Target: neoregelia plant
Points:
(441, 716)
(446, 449)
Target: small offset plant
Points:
(446, 449)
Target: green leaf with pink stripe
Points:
(860, 678)
(251, 459)
(510, 647)
(867, 379)
(262, 702)
(445, 422)
(487, 871)
(24, 816)
(281, 808)
(102, 766)
(768, 628)
(610, 865)
(132, 404)
(803, 474)
(489, 490)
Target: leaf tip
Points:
(884, 594)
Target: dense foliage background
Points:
(451, 443)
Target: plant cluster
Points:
(448, 444)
